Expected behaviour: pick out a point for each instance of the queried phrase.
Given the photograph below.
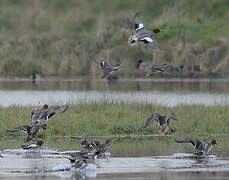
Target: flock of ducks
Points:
(145, 36)
(92, 148)
(141, 35)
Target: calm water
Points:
(169, 92)
(131, 158)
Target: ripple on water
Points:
(53, 163)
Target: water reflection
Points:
(123, 85)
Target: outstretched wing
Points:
(24, 129)
(195, 142)
(56, 110)
(149, 42)
(154, 117)
(138, 23)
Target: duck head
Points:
(45, 106)
(213, 142)
(157, 30)
(172, 116)
(40, 142)
(83, 141)
(103, 65)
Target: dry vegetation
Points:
(59, 37)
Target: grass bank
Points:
(121, 119)
(59, 37)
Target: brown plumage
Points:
(46, 112)
(30, 130)
(163, 121)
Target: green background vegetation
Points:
(57, 37)
(121, 119)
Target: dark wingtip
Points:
(10, 130)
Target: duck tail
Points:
(72, 160)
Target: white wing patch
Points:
(148, 39)
(32, 146)
(140, 26)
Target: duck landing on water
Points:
(202, 148)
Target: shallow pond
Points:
(139, 157)
(169, 92)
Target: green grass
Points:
(63, 37)
(121, 119)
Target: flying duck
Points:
(163, 121)
(149, 69)
(30, 130)
(142, 35)
(46, 112)
(108, 70)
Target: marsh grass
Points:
(121, 119)
(63, 37)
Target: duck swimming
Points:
(33, 146)
(141, 34)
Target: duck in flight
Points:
(108, 70)
(149, 69)
(46, 112)
(30, 130)
(143, 35)
(163, 121)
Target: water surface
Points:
(169, 92)
(156, 157)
